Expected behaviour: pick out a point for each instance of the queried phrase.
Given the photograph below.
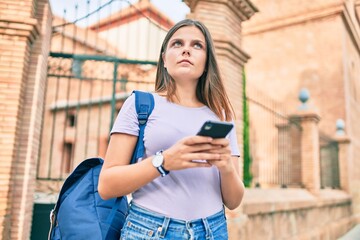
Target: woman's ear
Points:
(163, 58)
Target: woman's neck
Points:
(186, 97)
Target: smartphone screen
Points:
(215, 129)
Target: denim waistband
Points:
(155, 219)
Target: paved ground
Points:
(353, 234)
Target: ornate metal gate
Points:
(84, 94)
(91, 71)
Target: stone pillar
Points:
(343, 155)
(310, 151)
(343, 148)
(25, 31)
(309, 143)
(223, 18)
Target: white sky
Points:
(174, 9)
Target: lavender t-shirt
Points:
(183, 194)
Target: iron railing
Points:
(274, 144)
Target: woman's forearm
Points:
(232, 189)
(122, 180)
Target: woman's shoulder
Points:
(129, 101)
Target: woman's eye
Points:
(177, 44)
(198, 45)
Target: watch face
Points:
(158, 160)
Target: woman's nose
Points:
(186, 52)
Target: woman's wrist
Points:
(229, 169)
(158, 163)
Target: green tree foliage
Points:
(246, 141)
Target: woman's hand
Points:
(225, 164)
(184, 152)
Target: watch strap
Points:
(163, 172)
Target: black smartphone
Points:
(215, 129)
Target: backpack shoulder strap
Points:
(144, 103)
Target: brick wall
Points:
(299, 45)
(290, 58)
(351, 73)
(17, 10)
(23, 60)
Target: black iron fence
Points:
(275, 146)
(84, 94)
(274, 143)
(93, 67)
(329, 162)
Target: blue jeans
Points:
(145, 225)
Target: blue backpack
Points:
(80, 213)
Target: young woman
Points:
(174, 195)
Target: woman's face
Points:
(185, 54)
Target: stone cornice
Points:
(293, 20)
(353, 25)
(245, 9)
(229, 49)
(19, 26)
(342, 139)
(305, 115)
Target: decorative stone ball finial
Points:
(304, 96)
(340, 127)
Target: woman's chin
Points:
(185, 74)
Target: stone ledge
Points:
(261, 201)
(228, 48)
(332, 197)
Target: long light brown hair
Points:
(210, 89)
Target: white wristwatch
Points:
(158, 162)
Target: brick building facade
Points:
(316, 46)
(25, 31)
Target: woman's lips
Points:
(185, 61)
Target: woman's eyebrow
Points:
(198, 40)
(175, 39)
(192, 40)
(195, 40)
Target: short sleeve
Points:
(233, 142)
(126, 120)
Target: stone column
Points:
(223, 18)
(25, 31)
(310, 151)
(309, 144)
(343, 148)
(343, 155)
